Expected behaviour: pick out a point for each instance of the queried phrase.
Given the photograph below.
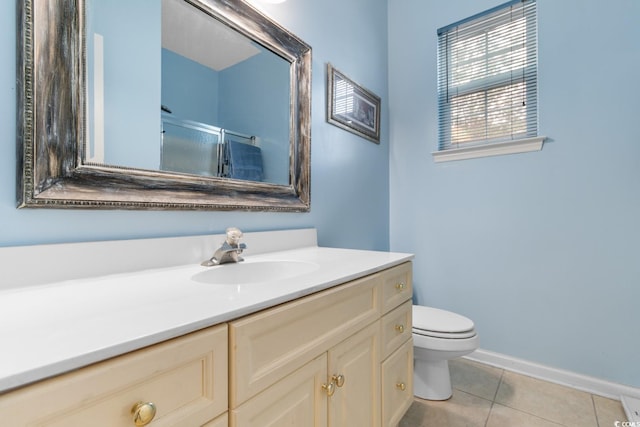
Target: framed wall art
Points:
(351, 106)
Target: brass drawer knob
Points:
(329, 388)
(338, 380)
(401, 386)
(400, 286)
(400, 328)
(143, 413)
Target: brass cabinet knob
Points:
(338, 380)
(400, 286)
(143, 413)
(401, 386)
(329, 388)
(400, 328)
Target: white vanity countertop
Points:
(49, 329)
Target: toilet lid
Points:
(431, 319)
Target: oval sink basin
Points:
(253, 272)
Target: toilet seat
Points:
(434, 334)
(437, 323)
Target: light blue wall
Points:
(256, 98)
(189, 89)
(541, 250)
(350, 188)
(131, 79)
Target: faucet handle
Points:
(233, 236)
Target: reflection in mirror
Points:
(123, 83)
(116, 109)
(219, 100)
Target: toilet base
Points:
(431, 379)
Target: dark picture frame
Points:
(352, 107)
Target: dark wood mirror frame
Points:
(52, 116)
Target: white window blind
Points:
(487, 77)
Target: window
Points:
(487, 83)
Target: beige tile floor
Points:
(485, 396)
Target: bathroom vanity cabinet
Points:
(339, 357)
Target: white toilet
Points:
(438, 335)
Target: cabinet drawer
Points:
(396, 328)
(185, 378)
(397, 286)
(267, 346)
(397, 384)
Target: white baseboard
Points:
(567, 378)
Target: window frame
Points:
(506, 143)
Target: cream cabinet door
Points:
(354, 367)
(299, 399)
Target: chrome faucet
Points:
(229, 251)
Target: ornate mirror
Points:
(165, 104)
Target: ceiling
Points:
(193, 34)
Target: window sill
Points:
(485, 150)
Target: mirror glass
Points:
(172, 88)
(161, 104)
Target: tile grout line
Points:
(495, 395)
(595, 409)
(493, 400)
(523, 411)
(486, 422)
